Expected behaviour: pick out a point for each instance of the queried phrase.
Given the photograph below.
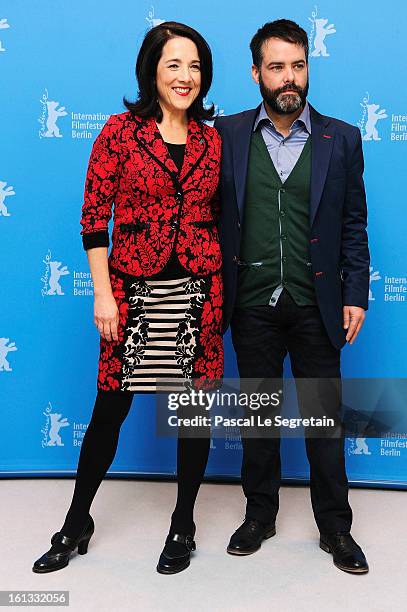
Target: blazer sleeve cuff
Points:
(349, 300)
(95, 239)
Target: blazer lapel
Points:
(195, 149)
(241, 148)
(322, 140)
(149, 138)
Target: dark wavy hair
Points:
(148, 57)
(281, 28)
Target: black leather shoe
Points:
(174, 559)
(50, 562)
(347, 555)
(249, 536)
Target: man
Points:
(296, 271)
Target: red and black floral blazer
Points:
(155, 208)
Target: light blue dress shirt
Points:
(284, 150)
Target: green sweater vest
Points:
(275, 231)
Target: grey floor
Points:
(290, 572)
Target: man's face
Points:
(283, 76)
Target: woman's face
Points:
(178, 74)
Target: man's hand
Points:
(353, 317)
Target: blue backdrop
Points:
(64, 69)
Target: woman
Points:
(158, 296)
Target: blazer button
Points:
(238, 225)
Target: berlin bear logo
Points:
(51, 277)
(4, 193)
(373, 116)
(5, 349)
(3, 26)
(358, 446)
(320, 30)
(374, 276)
(54, 113)
(361, 447)
(56, 424)
(56, 273)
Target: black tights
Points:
(97, 453)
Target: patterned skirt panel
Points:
(168, 330)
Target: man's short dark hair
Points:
(282, 28)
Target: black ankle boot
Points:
(177, 551)
(50, 562)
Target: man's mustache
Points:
(292, 87)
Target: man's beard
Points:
(284, 104)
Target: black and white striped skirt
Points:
(169, 330)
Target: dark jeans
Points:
(262, 336)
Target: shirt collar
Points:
(304, 118)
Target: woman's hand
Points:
(106, 316)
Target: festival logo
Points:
(50, 279)
(50, 113)
(4, 193)
(6, 347)
(84, 126)
(390, 445)
(152, 20)
(358, 446)
(393, 288)
(54, 423)
(320, 29)
(369, 123)
(374, 276)
(371, 114)
(3, 26)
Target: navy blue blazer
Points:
(339, 250)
